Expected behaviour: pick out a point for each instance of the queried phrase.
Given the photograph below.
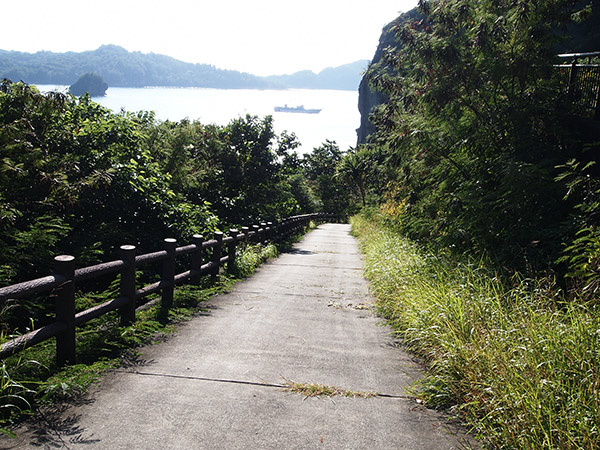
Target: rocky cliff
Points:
(367, 98)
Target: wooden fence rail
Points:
(65, 278)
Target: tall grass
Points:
(516, 360)
(252, 256)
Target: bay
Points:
(338, 120)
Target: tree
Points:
(320, 169)
(352, 169)
(472, 128)
(76, 178)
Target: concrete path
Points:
(304, 318)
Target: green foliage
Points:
(471, 136)
(242, 170)
(73, 381)
(583, 255)
(320, 169)
(361, 169)
(514, 359)
(13, 399)
(251, 257)
(74, 174)
(76, 178)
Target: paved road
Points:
(301, 318)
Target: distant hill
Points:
(346, 77)
(121, 68)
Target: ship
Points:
(296, 109)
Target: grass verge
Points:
(516, 360)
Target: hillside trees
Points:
(320, 169)
(77, 178)
(473, 128)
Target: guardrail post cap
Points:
(64, 258)
(127, 248)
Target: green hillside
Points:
(121, 68)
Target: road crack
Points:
(289, 386)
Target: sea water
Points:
(338, 120)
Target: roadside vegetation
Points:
(514, 358)
(479, 148)
(79, 179)
(480, 223)
(31, 381)
(479, 193)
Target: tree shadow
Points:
(51, 428)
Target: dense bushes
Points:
(470, 148)
(514, 359)
(485, 208)
(76, 178)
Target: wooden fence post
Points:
(64, 265)
(216, 255)
(168, 275)
(256, 237)
(245, 231)
(196, 262)
(128, 284)
(265, 235)
(231, 250)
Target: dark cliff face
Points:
(367, 98)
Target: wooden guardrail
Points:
(582, 82)
(62, 283)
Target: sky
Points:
(262, 37)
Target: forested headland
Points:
(121, 68)
(477, 144)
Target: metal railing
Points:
(63, 281)
(582, 82)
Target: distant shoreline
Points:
(120, 68)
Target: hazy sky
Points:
(263, 37)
